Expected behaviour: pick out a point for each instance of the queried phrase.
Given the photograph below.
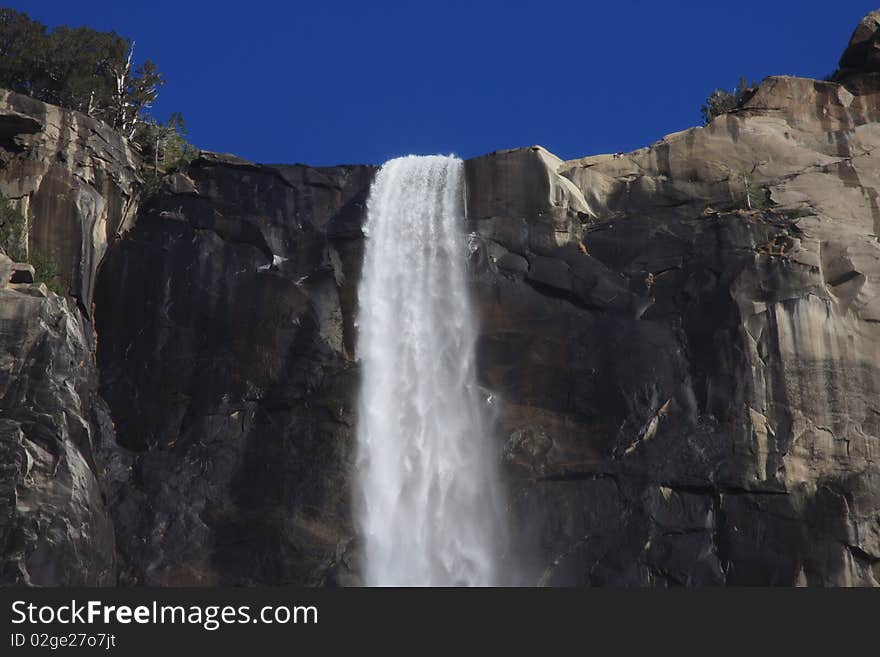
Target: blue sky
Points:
(331, 82)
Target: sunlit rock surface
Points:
(699, 403)
(73, 178)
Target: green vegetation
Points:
(77, 68)
(92, 72)
(745, 194)
(46, 271)
(165, 150)
(13, 242)
(755, 198)
(12, 231)
(722, 101)
(164, 147)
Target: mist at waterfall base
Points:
(428, 495)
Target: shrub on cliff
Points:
(164, 146)
(12, 231)
(13, 241)
(722, 101)
(46, 271)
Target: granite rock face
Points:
(54, 526)
(684, 342)
(74, 180)
(691, 380)
(224, 318)
(863, 52)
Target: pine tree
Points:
(77, 68)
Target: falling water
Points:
(426, 470)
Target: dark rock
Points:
(54, 528)
(13, 124)
(229, 376)
(21, 273)
(863, 52)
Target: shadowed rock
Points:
(863, 52)
(54, 527)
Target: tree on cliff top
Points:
(77, 68)
(722, 101)
(164, 148)
(22, 51)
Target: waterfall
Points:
(426, 470)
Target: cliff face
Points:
(684, 341)
(73, 179)
(691, 383)
(54, 527)
(225, 331)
